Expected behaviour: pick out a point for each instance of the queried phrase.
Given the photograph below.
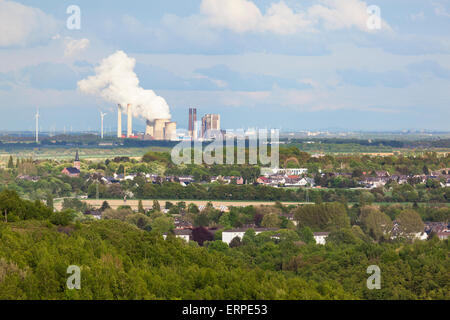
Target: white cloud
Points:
(237, 15)
(244, 16)
(74, 46)
(21, 25)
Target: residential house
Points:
(185, 234)
(321, 237)
(186, 180)
(443, 235)
(96, 214)
(29, 178)
(441, 229)
(290, 217)
(382, 174)
(374, 182)
(395, 233)
(182, 224)
(229, 235)
(280, 171)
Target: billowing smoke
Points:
(115, 81)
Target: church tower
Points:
(77, 163)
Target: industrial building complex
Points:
(166, 129)
(158, 129)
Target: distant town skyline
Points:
(268, 64)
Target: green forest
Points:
(120, 257)
(119, 261)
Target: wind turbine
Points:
(37, 125)
(102, 115)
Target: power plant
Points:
(159, 129)
(166, 130)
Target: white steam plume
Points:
(115, 81)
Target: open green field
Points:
(94, 154)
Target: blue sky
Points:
(298, 65)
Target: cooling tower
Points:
(130, 121)
(149, 129)
(158, 132)
(170, 131)
(119, 122)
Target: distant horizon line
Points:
(286, 131)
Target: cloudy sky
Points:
(292, 64)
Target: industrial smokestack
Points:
(119, 121)
(191, 127)
(130, 121)
(192, 120)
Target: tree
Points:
(168, 205)
(409, 223)
(119, 214)
(249, 237)
(50, 201)
(193, 208)
(343, 236)
(162, 224)
(139, 220)
(201, 220)
(181, 205)
(10, 203)
(62, 218)
(235, 242)
(357, 173)
(322, 217)
(432, 184)
(307, 236)
(75, 204)
(141, 207)
(201, 234)
(217, 245)
(375, 223)
(271, 221)
(10, 163)
(156, 206)
(105, 205)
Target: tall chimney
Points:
(194, 124)
(130, 121)
(119, 121)
(191, 127)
